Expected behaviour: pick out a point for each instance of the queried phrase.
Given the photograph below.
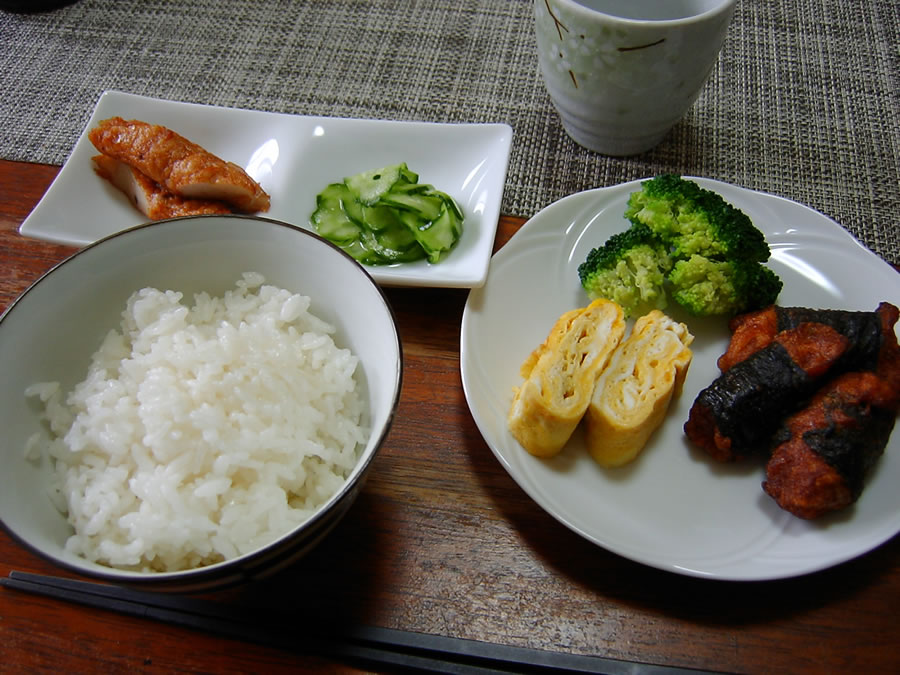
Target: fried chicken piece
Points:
(739, 412)
(750, 332)
(826, 449)
(889, 354)
(148, 197)
(822, 451)
(177, 164)
(867, 332)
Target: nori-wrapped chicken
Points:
(839, 406)
(824, 452)
(740, 411)
(865, 330)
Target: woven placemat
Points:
(802, 103)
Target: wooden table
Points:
(442, 541)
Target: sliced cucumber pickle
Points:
(385, 216)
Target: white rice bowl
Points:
(52, 331)
(203, 430)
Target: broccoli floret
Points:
(630, 269)
(691, 220)
(706, 287)
(687, 242)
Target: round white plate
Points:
(673, 508)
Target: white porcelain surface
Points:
(673, 508)
(49, 333)
(294, 157)
(622, 73)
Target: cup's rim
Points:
(578, 7)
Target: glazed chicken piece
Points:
(840, 371)
(177, 164)
(826, 449)
(148, 197)
(750, 332)
(867, 332)
(738, 413)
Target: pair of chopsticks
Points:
(370, 645)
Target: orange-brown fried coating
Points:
(803, 483)
(750, 332)
(148, 197)
(831, 444)
(813, 347)
(177, 164)
(867, 331)
(737, 414)
(889, 355)
(844, 377)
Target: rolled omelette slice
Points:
(633, 394)
(560, 376)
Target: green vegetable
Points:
(630, 268)
(687, 243)
(386, 216)
(690, 220)
(707, 287)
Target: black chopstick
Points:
(367, 644)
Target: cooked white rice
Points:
(202, 433)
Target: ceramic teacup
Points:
(621, 73)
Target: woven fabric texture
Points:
(802, 103)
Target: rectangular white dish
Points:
(294, 157)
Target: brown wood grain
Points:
(442, 541)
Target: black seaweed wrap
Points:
(862, 329)
(749, 400)
(852, 449)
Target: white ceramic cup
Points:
(621, 73)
